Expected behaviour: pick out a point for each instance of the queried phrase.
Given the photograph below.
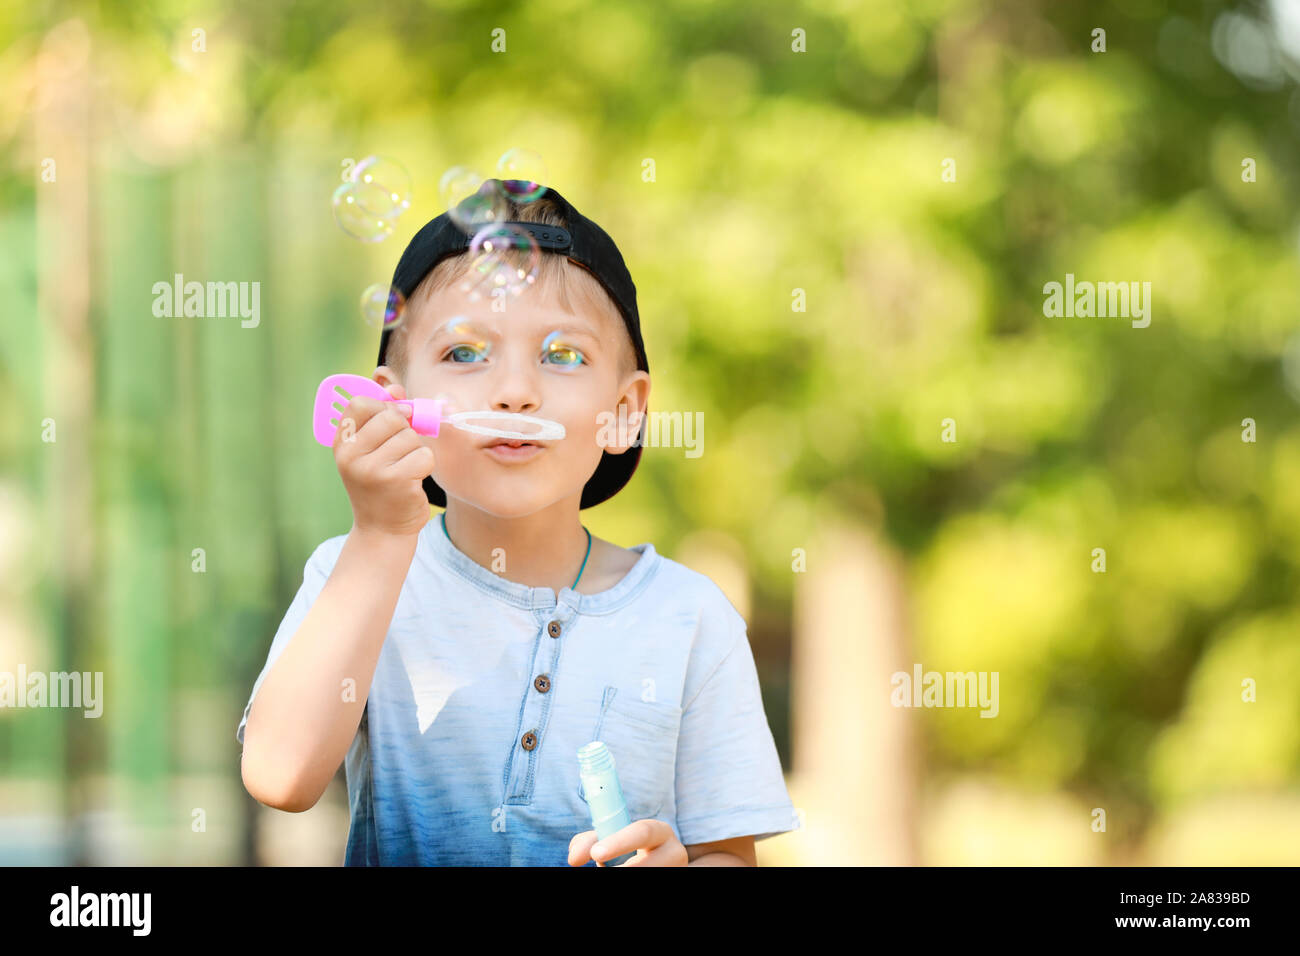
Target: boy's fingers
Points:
(580, 848)
(381, 426)
(352, 417)
(363, 408)
(637, 835)
(397, 446)
(417, 463)
(359, 408)
(668, 853)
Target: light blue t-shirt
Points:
(484, 690)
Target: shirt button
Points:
(543, 683)
(553, 629)
(529, 740)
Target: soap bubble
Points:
(393, 197)
(383, 307)
(353, 203)
(456, 184)
(523, 175)
(376, 192)
(503, 257)
(471, 201)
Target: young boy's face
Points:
(534, 359)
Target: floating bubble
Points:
(486, 206)
(523, 175)
(352, 204)
(470, 200)
(383, 307)
(503, 257)
(393, 197)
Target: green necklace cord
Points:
(580, 570)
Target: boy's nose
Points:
(514, 388)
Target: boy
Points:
(459, 695)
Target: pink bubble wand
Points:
(427, 414)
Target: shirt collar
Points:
(521, 595)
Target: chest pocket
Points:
(642, 736)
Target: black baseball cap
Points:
(583, 242)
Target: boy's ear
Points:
(386, 377)
(634, 397)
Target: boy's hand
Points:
(654, 840)
(383, 461)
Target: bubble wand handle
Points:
(426, 413)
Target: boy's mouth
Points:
(513, 450)
(511, 442)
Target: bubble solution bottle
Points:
(604, 796)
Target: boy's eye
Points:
(567, 356)
(465, 350)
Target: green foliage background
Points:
(775, 170)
